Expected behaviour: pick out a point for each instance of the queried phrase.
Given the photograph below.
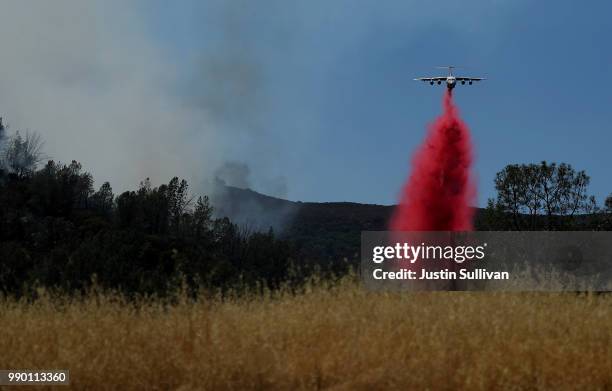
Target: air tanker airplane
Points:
(451, 80)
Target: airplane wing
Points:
(470, 78)
(431, 78)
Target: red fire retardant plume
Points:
(440, 191)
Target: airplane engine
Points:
(431, 82)
(470, 82)
(439, 82)
(462, 81)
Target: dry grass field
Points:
(328, 337)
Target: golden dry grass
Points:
(338, 338)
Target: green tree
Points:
(607, 213)
(57, 189)
(536, 196)
(202, 217)
(178, 202)
(102, 200)
(608, 204)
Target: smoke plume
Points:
(234, 174)
(232, 197)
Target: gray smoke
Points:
(232, 196)
(276, 186)
(94, 81)
(234, 174)
(238, 174)
(229, 80)
(100, 84)
(91, 81)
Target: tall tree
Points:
(2, 140)
(178, 202)
(608, 204)
(2, 133)
(21, 154)
(607, 213)
(202, 217)
(102, 200)
(526, 192)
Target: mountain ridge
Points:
(319, 230)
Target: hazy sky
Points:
(316, 98)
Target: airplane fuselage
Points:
(450, 80)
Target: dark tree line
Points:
(57, 231)
(545, 196)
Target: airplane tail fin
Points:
(449, 67)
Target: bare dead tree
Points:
(22, 154)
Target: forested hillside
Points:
(57, 230)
